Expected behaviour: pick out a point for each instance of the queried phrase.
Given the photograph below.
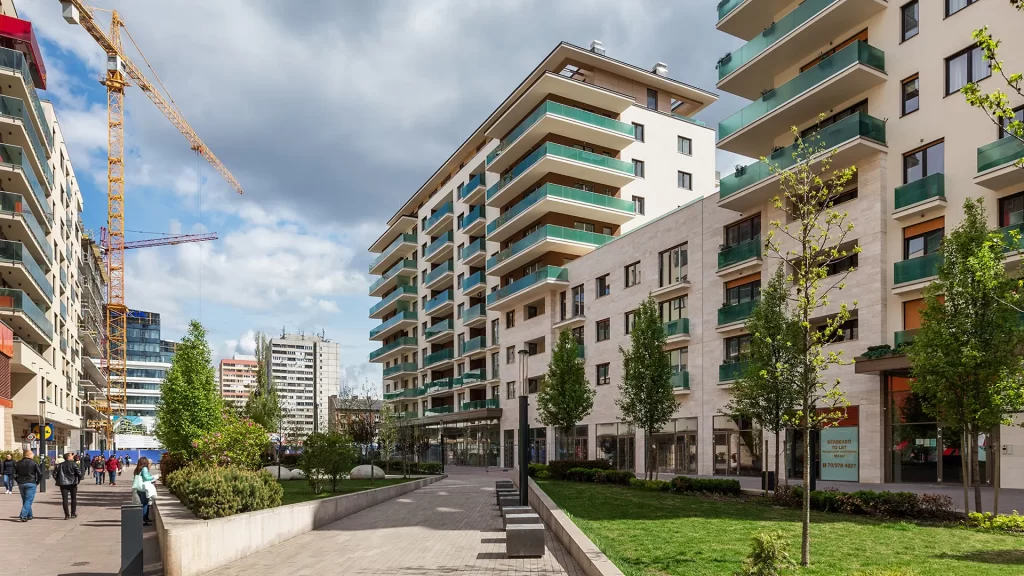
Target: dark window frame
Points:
(746, 222)
(638, 132)
(1003, 213)
(637, 278)
(923, 151)
(602, 286)
(603, 327)
(605, 379)
(924, 235)
(903, 21)
(639, 168)
(947, 13)
(681, 177)
(916, 77)
(679, 145)
(970, 68)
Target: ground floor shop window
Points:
(616, 443)
(738, 447)
(464, 443)
(538, 446)
(572, 446)
(838, 450)
(674, 447)
(510, 449)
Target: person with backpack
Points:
(67, 475)
(99, 471)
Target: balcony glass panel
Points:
(441, 384)
(679, 327)
(546, 273)
(473, 248)
(904, 337)
(1000, 152)
(567, 152)
(730, 371)
(472, 216)
(549, 232)
(681, 380)
(771, 35)
(12, 203)
(411, 392)
(15, 60)
(557, 109)
(15, 156)
(740, 252)
(917, 268)
(736, 312)
(406, 264)
(398, 343)
(474, 376)
(15, 252)
(438, 410)
(15, 108)
(442, 269)
(394, 320)
(857, 52)
(436, 245)
(438, 328)
(1008, 238)
(474, 183)
(725, 7)
(400, 368)
(480, 404)
(565, 192)
(439, 356)
(438, 300)
(444, 210)
(410, 415)
(410, 238)
(474, 312)
(933, 186)
(474, 344)
(13, 300)
(390, 298)
(473, 280)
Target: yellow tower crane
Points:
(121, 72)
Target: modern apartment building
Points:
(306, 371)
(92, 273)
(237, 379)
(586, 149)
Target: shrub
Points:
(708, 485)
(870, 503)
(559, 468)
(430, 467)
(581, 474)
(1012, 523)
(653, 485)
(534, 469)
(622, 477)
(289, 459)
(237, 441)
(936, 506)
(215, 492)
(769, 555)
(326, 456)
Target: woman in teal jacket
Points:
(142, 476)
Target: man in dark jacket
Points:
(28, 473)
(8, 472)
(67, 474)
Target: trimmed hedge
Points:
(707, 485)
(538, 471)
(216, 492)
(653, 485)
(397, 467)
(621, 477)
(871, 503)
(560, 468)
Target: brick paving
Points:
(450, 527)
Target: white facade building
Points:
(307, 372)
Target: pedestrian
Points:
(127, 460)
(7, 469)
(142, 476)
(28, 473)
(67, 475)
(98, 469)
(84, 462)
(112, 465)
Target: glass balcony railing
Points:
(932, 186)
(393, 321)
(473, 344)
(444, 210)
(15, 252)
(581, 351)
(388, 396)
(446, 238)
(442, 269)
(544, 274)
(736, 312)
(857, 52)
(916, 269)
(473, 280)
(439, 356)
(15, 60)
(563, 192)
(409, 415)
(904, 337)
(560, 151)
(411, 393)
(680, 327)
(445, 297)
(1008, 238)
(471, 186)
(440, 384)
(771, 35)
(729, 371)
(472, 216)
(474, 312)
(853, 126)
(439, 328)
(438, 410)
(13, 300)
(391, 298)
(12, 203)
(740, 252)
(549, 232)
(15, 108)
(400, 368)
(15, 156)
(1000, 152)
(406, 264)
(390, 346)
(681, 380)
(474, 376)
(474, 248)
(404, 238)
(480, 404)
(564, 111)
(725, 7)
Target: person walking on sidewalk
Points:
(142, 476)
(8, 472)
(112, 465)
(67, 475)
(28, 473)
(99, 470)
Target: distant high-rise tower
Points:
(237, 379)
(306, 371)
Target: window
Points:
(742, 231)
(638, 132)
(603, 374)
(461, 342)
(924, 161)
(844, 332)
(577, 301)
(531, 312)
(494, 331)
(603, 330)
(674, 309)
(638, 205)
(632, 274)
(911, 23)
(511, 388)
(458, 281)
(966, 66)
(672, 266)
(562, 308)
(1011, 210)
(844, 197)
(638, 168)
(602, 287)
(510, 355)
(954, 6)
(922, 244)
(1004, 124)
(585, 226)
(532, 348)
(911, 94)
(458, 312)
(737, 348)
(495, 365)
(685, 180)
(652, 99)
(740, 293)
(532, 385)
(842, 265)
(684, 145)
(578, 334)
(630, 321)
(510, 319)
(860, 107)
(678, 358)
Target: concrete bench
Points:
(524, 540)
(517, 509)
(521, 518)
(498, 484)
(510, 500)
(505, 493)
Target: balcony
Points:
(394, 347)
(730, 257)
(398, 322)
(407, 368)
(398, 274)
(730, 371)
(441, 356)
(681, 381)
(19, 312)
(563, 200)
(528, 287)
(853, 138)
(556, 118)
(474, 190)
(677, 330)
(14, 121)
(440, 385)
(440, 249)
(474, 284)
(438, 410)
(997, 168)
(475, 253)
(12, 62)
(475, 316)
(440, 304)
(440, 277)
(747, 18)
(439, 331)
(408, 415)
(474, 345)
(547, 238)
(477, 376)
(25, 227)
(474, 222)
(410, 393)
(20, 178)
(920, 195)
(854, 69)
(908, 273)
(903, 337)
(403, 247)
(20, 270)
(564, 160)
(393, 301)
(439, 221)
(731, 314)
(480, 404)
(789, 40)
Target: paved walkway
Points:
(452, 526)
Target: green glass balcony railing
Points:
(473, 280)
(446, 238)
(444, 210)
(544, 274)
(796, 18)
(440, 384)
(403, 239)
(904, 337)
(400, 368)
(549, 232)
(480, 404)
(441, 269)
(439, 328)
(15, 252)
(13, 300)
(565, 193)
(1008, 238)
(12, 203)
(858, 52)
(853, 126)
(15, 156)
(725, 7)
(736, 312)
(474, 376)
(559, 151)
(932, 186)
(438, 410)
(729, 371)
(439, 356)
(406, 264)
(474, 248)
(474, 312)
(471, 186)
(472, 216)
(411, 393)
(443, 298)
(680, 327)
(473, 344)
(390, 396)
(15, 60)
(1000, 152)
(393, 321)
(740, 252)
(581, 351)
(409, 415)
(564, 111)
(397, 293)
(15, 108)
(681, 380)
(916, 269)
(398, 343)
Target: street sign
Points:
(31, 437)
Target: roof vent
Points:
(596, 47)
(661, 69)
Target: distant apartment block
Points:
(237, 379)
(307, 371)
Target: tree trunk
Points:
(976, 472)
(647, 455)
(965, 471)
(805, 515)
(995, 456)
(776, 487)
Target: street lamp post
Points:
(42, 440)
(524, 430)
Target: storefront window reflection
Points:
(616, 443)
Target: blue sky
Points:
(330, 114)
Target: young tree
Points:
(189, 404)
(263, 406)
(646, 398)
(326, 456)
(767, 392)
(387, 435)
(965, 359)
(566, 397)
(811, 244)
(364, 432)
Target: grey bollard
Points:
(503, 493)
(521, 518)
(524, 540)
(131, 540)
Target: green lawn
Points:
(665, 533)
(298, 490)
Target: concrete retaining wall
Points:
(190, 546)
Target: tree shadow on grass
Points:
(1010, 557)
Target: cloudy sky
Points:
(330, 113)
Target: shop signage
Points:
(839, 457)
